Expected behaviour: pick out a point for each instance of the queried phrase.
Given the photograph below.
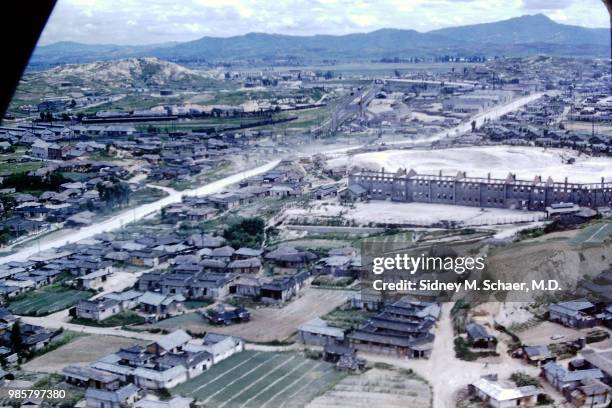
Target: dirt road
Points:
(447, 374)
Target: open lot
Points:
(259, 379)
(46, 300)
(543, 333)
(82, 351)
(422, 214)
(284, 320)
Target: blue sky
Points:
(158, 21)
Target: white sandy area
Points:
(525, 162)
(416, 213)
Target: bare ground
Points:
(277, 323)
(81, 352)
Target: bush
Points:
(522, 379)
(248, 232)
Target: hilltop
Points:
(151, 71)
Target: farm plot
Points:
(260, 379)
(377, 388)
(46, 301)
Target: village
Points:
(196, 236)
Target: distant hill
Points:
(520, 36)
(149, 70)
(530, 29)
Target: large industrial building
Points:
(408, 186)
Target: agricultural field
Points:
(261, 379)
(46, 300)
(15, 162)
(377, 388)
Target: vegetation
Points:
(126, 318)
(247, 232)
(23, 182)
(347, 318)
(66, 338)
(117, 194)
(49, 299)
(598, 335)
(16, 340)
(522, 379)
(464, 352)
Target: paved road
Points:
(134, 214)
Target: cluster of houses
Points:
(583, 382)
(129, 376)
(580, 313)
(586, 380)
(539, 115)
(401, 329)
(74, 203)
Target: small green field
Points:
(46, 300)
(261, 379)
(126, 318)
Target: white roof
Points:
(160, 376)
(499, 393)
(319, 326)
(173, 340)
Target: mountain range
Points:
(520, 36)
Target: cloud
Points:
(158, 21)
(545, 4)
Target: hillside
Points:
(520, 36)
(150, 71)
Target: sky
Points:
(137, 22)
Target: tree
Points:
(16, 340)
(248, 232)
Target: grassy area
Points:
(257, 378)
(126, 318)
(46, 300)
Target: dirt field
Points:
(269, 323)
(376, 388)
(542, 333)
(260, 379)
(81, 351)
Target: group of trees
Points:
(247, 232)
(25, 182)
(114, 194)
